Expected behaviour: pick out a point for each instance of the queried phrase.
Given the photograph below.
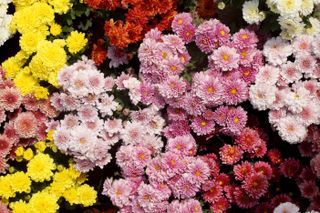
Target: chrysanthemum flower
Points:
(290, 168)
(286, 207)
(263, 168)
(183, 145)
(248, 140)
(201, 126)
(309, 189)
(10, 99)
(290, 73)
(236, 120)
(243, 200)
(277, 51)
(255, 185)
(205, 36)
(212, 191)
(40, 167)
(26, 125)
(192, 104)
(245, 38)
(225, 58)
(173, 87)
(267, 74)
(199, 171)
(230, 154)
(117, 56)
(220, 115)
(291, 130)
(5, 146)
(181, 20)
(235, 91)
(242, 170)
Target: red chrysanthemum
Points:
(212, 191)
(290, 168)
(242, 170)
(223, 179)
(230, 154)
(309, 189)
(263, 168)
(26, 125)
(10, 99)
(255, 185)
(274, 156)
(248, 140)
(243, 200)
(220, 206)
(264, 208)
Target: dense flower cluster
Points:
(41, 57)
(287, 85)
(232, 64)
(23, 120)
(37, 165)
(5, 20)
(292, 16)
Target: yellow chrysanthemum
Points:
(76, 41)
(29, 41)
(19, 207)
(43, 201)
(11, 67)
(25, 83)
(28, 154)
(20, 182)
(41, 146)
(87, 195)
(55, 29)
(51, 55)
(41, 93)
(60, 6)
(19, 151)
(71, 196)
(6, 190)
(40, 167)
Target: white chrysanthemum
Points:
(268, 75)
(288, 7)
(262, 95)
(289, 72)
(291, 130)
(272, 6)
(286, 207)
(310, 114)
(291, 27)
(276, 50)
(280, 99)
(251, 13)
(306, 7)
(298, 99)
(3, 9)
(276, 115)
(315, 27)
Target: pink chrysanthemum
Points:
(182, 187)
(187, 33)
(205, 36)
(3, 116)
(212, 191)
(191, 206)
(175, 114)
(199, 171)
(306, 63)
(255, 185)
(246, 55)
(242, 170)
(289, 73)
(5, 146)
(236, 120)
(223, 179)
(113, 126)
(210, 91)
(201, 126)
(172, 87)
(225, 58)
(248, 140)
(173, 66)
(117, 57)
(235, 91)
(156, 170)
(267, 74)
(220, 115)
(309, 189)
(87, 113)
(180, 127)
(230, 154)
(222, 33)
(193, 104)
(280, 198)
(120, 192)
(172, 164)
(26, 125)
(180, 20)
(183, 145)
(248, 74)
(245, 38)
(290, 168)
(302, 44)
(10, 99)
(243, 200)
(132, 133)
(174, 42)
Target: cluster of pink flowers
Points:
(233, 61)
(175, 174)
(23, 119)
(89, 126)
(288, 85)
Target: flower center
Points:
(244, 36)
(203, 123)
(180, 21)
(236, 120)
(233, 91)
(222, 32)
(225, 56)
(210, 89)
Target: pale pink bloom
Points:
(276, 50)
(291, 130)
(10, 99)
(113, 126)
(289, 73)
(262, 95)
(96, 81)
(120, 192)
(26, 125)
(132, 133)
(302, 44)
(268, 75)
(286, 207)
(107, 105)
(225, 58)
(109, 82)
(172, 87)
(87, 113)
(306, 63)
(117, 57)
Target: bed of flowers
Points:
(147, 106)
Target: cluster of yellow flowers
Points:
(43, 51)
(19, 188)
